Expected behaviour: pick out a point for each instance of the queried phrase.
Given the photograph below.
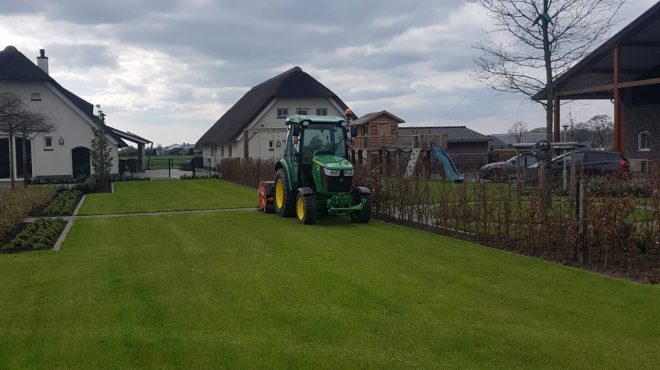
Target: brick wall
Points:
(637, 119)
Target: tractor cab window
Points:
(323, 139)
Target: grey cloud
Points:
(229, 46)
(80, 56)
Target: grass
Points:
(244, 290)
(169, 195)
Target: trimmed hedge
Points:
(64, 203)
(16, 204)
(39, 235)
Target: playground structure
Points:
(380, 148)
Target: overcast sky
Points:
(167, 70)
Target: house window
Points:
(302, 111)
(229, 151)
(35, 97)
(222, 151)
(321, 111)
(282, 112)
(48, 143)
(644, 141)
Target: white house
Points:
(254, 127)
(65, 152)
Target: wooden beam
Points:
(647, 82)
(557, 116)
(643, 44)
(610, 87)
(623, 70)
(618, 104)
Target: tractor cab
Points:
(316, 146)
(315, 174)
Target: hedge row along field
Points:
(64, 203)
(16, 204)
(39, 235)
(620, 231)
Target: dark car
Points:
(503, 171)
(589, 162)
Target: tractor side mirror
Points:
(296, 131)
(352, 130)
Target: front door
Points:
(80, 162)
(4, 158)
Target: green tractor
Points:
(315, 175)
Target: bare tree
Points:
(601, 125)
(11, 107)
(518, 129)
(537, 40)
(30, 125)
(15, 119)
(581, 132)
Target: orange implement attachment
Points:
(266, 196)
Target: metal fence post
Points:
(169, 167)
(581, 213)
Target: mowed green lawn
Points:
(169, 195)
(239, 289)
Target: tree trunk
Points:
(546, 171)
(12, 167)
(24, 162)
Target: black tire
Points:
(306, 209)
(287, 206)
(363, 216)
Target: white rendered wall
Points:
(75, 130)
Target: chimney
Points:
(42, 60)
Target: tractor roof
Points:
(298, 118)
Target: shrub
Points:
(64, 203)
(197, 177)
(247, 171)
(16, 204)
(89, 185)
(39, 235)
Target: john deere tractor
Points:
(315, 175)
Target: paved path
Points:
(154, 213)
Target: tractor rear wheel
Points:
(305, 209)
(285, 200)
(364, 215)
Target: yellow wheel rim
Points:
(279, 193)
(300, 208)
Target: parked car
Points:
(503, 171)
(589, 162)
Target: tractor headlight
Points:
(348, 172)
(330, 172)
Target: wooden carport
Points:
(628, 60)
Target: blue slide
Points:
(447, 164)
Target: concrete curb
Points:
(65, 232)
(82, 199)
